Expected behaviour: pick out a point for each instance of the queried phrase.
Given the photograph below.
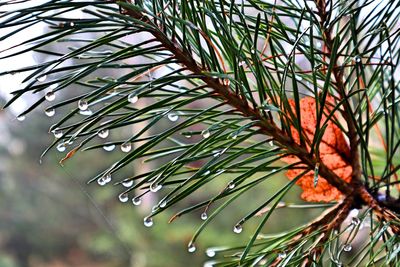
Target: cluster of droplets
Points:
(104, 180)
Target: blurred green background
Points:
(49, 216)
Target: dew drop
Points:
(50, 112)
(103, 133)
(282, 254)
(187, 135)
(319, 44)
(133, 98)
(136, 201)
(347, 248)
(238, 229)
(155, 187)
(21, 118)
(41, 78)
(299, 78)
(50, 96)
(127, 183)
(355, 221)
(204, 216)
(57, 133)
(205, 133)
(148, 221)
(226, 82)
(162, 204)
(357, 59)
(210, 252)
(83, 104)
(71, 24)
(173, 117)
(61, 147)
(101, 181)
(191, 247)
(271, 143)
(87, 112)
(109, 147)
(206, 173)
(107, 178)
(126, 147)
(124, 197)
(231, 185)
(241, 63)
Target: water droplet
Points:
(148, 221)
(87, 112)
(61, 147)
(173, 116)
(52, 87)
(355, 221)
(191, 247)
(50, 112)
(136, 201)
(299, 78)
(107, 178)
(103, 133)
(347, 248)
(204, 216)
(282, 254)
(238, 229)
(271, 143)
(83, 104)
(124, 197)
(109, 147)
(50, 96)
(57, 133)
(231, 185)
(155, 187)
(234, 136)
(21, 118)
(41, 78)
(210, 252)
(206, 173)
(187, 134)
(162, 204)
(126, 147)
(71, 24)
(127, 183)
(205, 133)
(357, 59)
(252, 51)
(101, 181)
(319, 44)
(133, 98)
(241, 63)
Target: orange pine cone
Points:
(333, 153)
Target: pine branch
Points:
(267, 126)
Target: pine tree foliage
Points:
(230, 77)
